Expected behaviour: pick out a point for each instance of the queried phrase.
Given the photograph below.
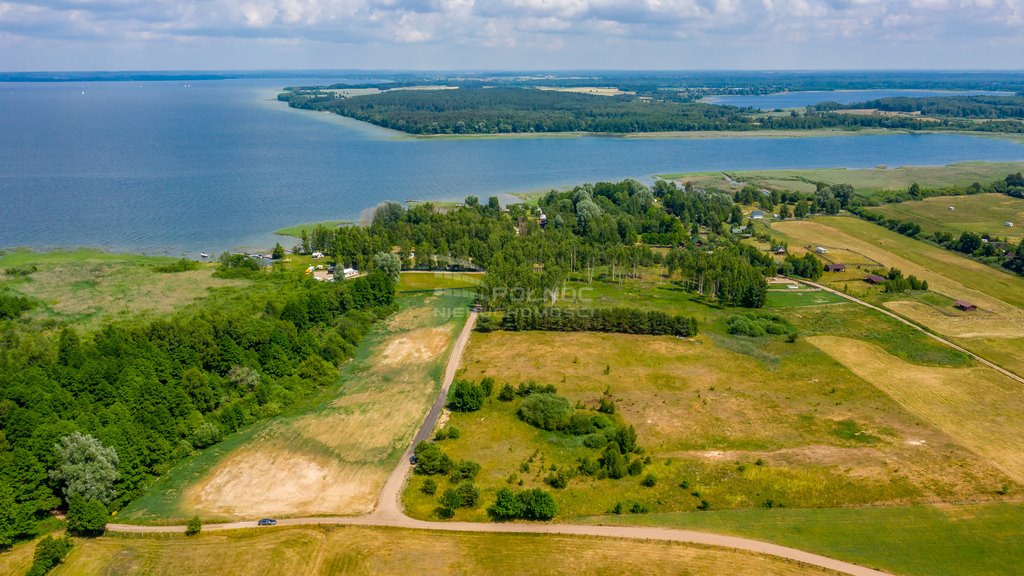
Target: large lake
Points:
(800, 99)
(170, 168)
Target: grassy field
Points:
(968, 540)
(420, 281)
(797, 298)
(332, 455)
(994, 331)
(296, 230)
(981, 408)
(979, 213)
(88, 288)
(865, 180)
(385, 551)
(740, 422)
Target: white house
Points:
(757, 214)
(350, 273)
(820, 250)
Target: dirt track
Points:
(389, 511)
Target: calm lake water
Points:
(165, 168)
(811, 97)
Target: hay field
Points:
(1000, 296)
(980, 407)
(979, 213)
(388, 551)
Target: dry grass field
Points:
(707, 411)
(981, 408)
(386, 551)
(994, 331)
(979, 213)
(335, 460)
(90, 288)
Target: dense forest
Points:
(92, 418)
(515, 110)
(476, 110)
(972, 107)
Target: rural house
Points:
(835, 267)
(965, 306)
(874, 279)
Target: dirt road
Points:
(389, 513)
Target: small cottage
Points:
(835, 267)
(874, 279)
(965, 306)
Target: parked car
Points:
(267, 522)
(413, 459)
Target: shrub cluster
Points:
(48, 554)
(620, 320)
(466, 396)
(532, 504)
(758, 324)
(12, 306)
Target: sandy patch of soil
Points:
(255, 483)
(417, 346)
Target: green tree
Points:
(507, 506)
(546, 411)
(465, 396)
(87, 517)
(194, 526)
(278, 252)
(86, 468)
(389, 264)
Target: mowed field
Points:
(981, 408)
(730, 421)
(390, 551)
(964, 539)
(864, 180)
(89, 288)
(994, 331)
(978, 213)
(333, 456)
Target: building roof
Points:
(964, 305)
(874, 278)
(835, 267)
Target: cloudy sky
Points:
(510, 34)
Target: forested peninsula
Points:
(475, 110)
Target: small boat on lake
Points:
(204, 255)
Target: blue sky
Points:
(511, 34)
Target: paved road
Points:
(915, 326)
(389, 513)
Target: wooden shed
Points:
(965, 306)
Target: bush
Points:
(639, 508)
(194, 526)
(451, 499)
(469, 494)
(12, 306)
(429, 487)
(546, 411)
(758, 324)
(182, 265)
(48, 554)
(533, 504)
(465, 396)
(558, 480)
(465, 470)
(649, 481)
(87, 517)
(487, 385)
(446, 433)
(507, 393)
(430, 459)
(635, 468)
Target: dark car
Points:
(267, 522)
(413, 459)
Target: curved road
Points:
(913, 325)
(389, 513)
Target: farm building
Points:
(757, 214)
(965, 306)
(820, 250)
(874, 279)
(835, 267)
